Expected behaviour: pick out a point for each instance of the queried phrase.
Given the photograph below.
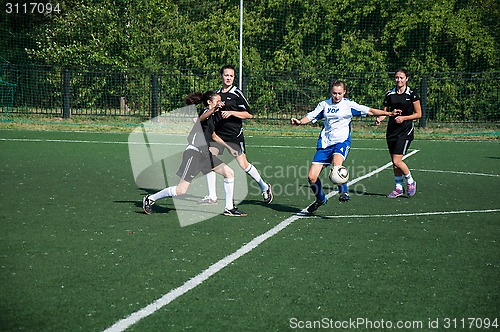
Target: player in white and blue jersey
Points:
(334, 141)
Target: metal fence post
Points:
(66, 94)
(423, 101)
(154, 96)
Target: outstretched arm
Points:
(377, 112)
(297, 122)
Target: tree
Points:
(357, 35)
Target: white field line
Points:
(405, 214)
(133, 318)
(125, 323)
(218, 266)
(60, 141)
(160, 143)
(257, 146)
(456, 172)
(367, 175)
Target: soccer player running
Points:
(334, 140)
(197, 157)
(400, 130)
(229, 127)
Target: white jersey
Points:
(337, 126)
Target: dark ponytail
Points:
(197, 97)
(193, 99)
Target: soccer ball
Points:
(338, 175)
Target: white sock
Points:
(167, 192)
(399, 182)
(229, 190)
(212, 190)
(254, 173)
(409, 179)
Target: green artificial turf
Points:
(77, 253)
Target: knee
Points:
(312, 178)
(397, 164)
(396, 161)
(229, 173)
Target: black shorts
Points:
(194, 162)
(237, 143)
(399, 146)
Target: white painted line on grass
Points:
(133, 318)
(60, 141)
(456, 172)
(367, 175)
(418, 214)
(34, 140)
(197, 280)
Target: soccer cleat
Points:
(396, 193)
(412, 189)
(207, 201)
(234, 213)
(268, 195)
(344, 197)
(316, 204)
(147, 204)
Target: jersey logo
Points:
(332, 110)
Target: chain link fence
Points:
(66, 92)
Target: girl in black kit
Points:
(229, 127)
(197, 157)
(400, 130)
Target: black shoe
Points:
(234, 213)
(268, 195)
(147, 204)
(317, 203)
(344, 197)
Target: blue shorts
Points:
(325, 156)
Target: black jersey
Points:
(201, 134)
(403, 102)
(232, 127)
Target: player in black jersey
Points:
(197, 157)
(229, 127)
(400, 130)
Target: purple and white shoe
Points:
(396, 193)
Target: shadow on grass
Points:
(274, 206)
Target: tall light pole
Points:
(240, 84)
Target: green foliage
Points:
(355, 35)
(447, 35)
(307, 41)
(449, 97)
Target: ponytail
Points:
(193, 98)
(196, 98)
